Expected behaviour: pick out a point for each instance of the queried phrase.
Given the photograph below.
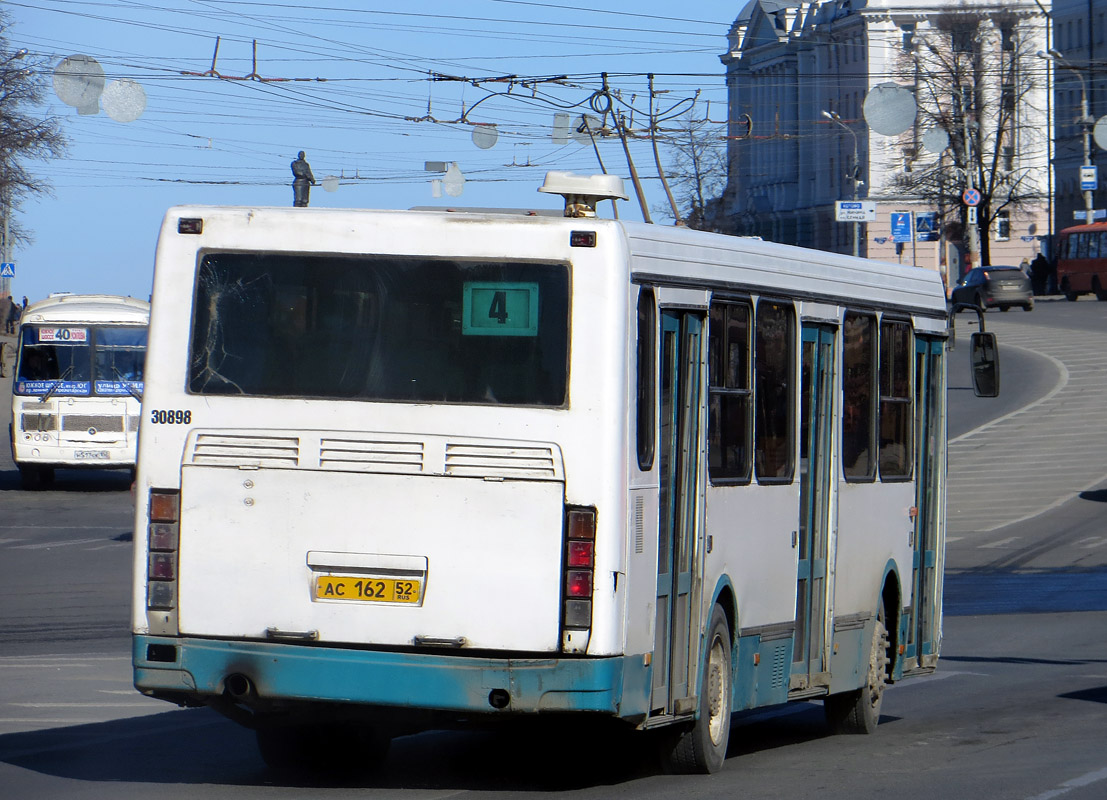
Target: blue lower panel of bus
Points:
(199, 667)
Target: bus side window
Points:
(729, 408)
(774, 392)
(647, 378)
(1081, 245)
(859, 397)
(895, 401)
(1093, 245)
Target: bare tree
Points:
(26, 133)
(697, 173)
(975, 81)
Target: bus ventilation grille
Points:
(379, 453)
(371, 455)
(233, 451)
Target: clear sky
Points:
(368, 89)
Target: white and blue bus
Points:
(77, 388)
(403, 467)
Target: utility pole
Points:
(974, 226)
(1085, 125)
(853, 174)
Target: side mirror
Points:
(985, 364)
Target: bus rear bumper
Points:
(193, 671)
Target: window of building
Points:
(908, 29)
(1003, 226)
(730, 396)
(895, 401)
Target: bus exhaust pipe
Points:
(239, 687)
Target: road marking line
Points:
(86, 705)
(66, 527)
(1076, 783)
(1061, 384)
(1091, 543)
(999, 543)
(61, 543)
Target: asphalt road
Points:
(1016, 710)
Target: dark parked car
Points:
(994, 287)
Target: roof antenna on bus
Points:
(583, 192)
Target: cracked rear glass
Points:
(382, 328)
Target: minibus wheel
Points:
(1100, 294)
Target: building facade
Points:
(817, 115)
(1078, 37)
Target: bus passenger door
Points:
(924, 625)
(674, 658)
(809, 658)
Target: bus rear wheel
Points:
(859, 711)
(702, 747)
(341, 748)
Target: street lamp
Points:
(854, 174)
(1085, 121)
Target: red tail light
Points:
(162, 539)
(579, 583)
(580, 553)
(580, 560)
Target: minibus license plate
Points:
(367, 589)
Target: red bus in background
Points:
(1082, 261)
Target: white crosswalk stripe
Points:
(1034, 459)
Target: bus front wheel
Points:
(859, 711)
(702, 747)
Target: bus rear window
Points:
(381, 328)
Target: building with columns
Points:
(1078, 36)
(801, 135)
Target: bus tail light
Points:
(579, 561)
(162, 538)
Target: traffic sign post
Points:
(1097, 213)
(855, 210)
(901, 226)
(1089, 178)
(926, 226)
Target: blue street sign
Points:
(1089, 178)
(901, 226)
(971, 197)
(7, 269)
(926, 226)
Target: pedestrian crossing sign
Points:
(7, 270)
